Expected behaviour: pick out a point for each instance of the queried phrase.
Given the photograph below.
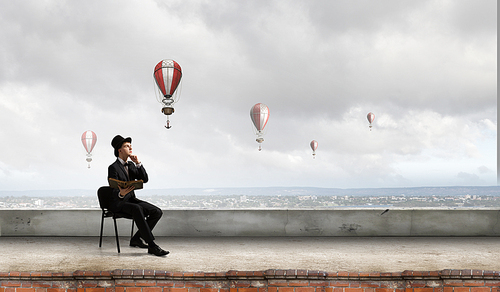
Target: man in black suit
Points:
(145, 215)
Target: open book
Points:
(114, 183)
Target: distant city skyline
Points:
(275, 191)
(262, 198)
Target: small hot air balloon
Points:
(89, 139)
(167, 75)
(314, 146)
(371, 118)
(259, 114)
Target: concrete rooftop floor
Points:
(221, 254)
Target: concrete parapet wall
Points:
(262, 222)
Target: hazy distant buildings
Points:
(246, 201)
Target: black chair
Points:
(104, 194)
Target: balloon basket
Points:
(260, 140)
(167, 110)
(89, 159)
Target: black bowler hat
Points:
(118, 141)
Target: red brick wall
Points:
(257, 281)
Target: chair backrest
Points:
(104, 195)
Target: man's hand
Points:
(123, 191)
(134, 159)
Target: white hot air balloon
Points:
(260, 115)
(314, 146)
(371, 118)
(89, 139)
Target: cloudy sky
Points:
(426, 69)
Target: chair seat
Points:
(116, 215)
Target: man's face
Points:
(126, 149)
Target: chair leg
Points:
(132, 232)
(102, 225)
(116, 235)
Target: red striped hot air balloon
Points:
(168, 75)
(89, 139)
(371, 118)
(260, 115)
(314, 146)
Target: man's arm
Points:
(138, 173)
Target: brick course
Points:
(251, 281)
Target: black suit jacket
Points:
(117, 171)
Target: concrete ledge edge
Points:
(454, 275)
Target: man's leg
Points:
(138, 213)
(153, 213)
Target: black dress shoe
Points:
(138, 243)
(157, 251)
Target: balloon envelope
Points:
(167, 74)
(370, 117)
(259, 114)
(314, 145)
(89, 139)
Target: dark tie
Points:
(126, 164)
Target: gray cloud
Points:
(427, 69)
